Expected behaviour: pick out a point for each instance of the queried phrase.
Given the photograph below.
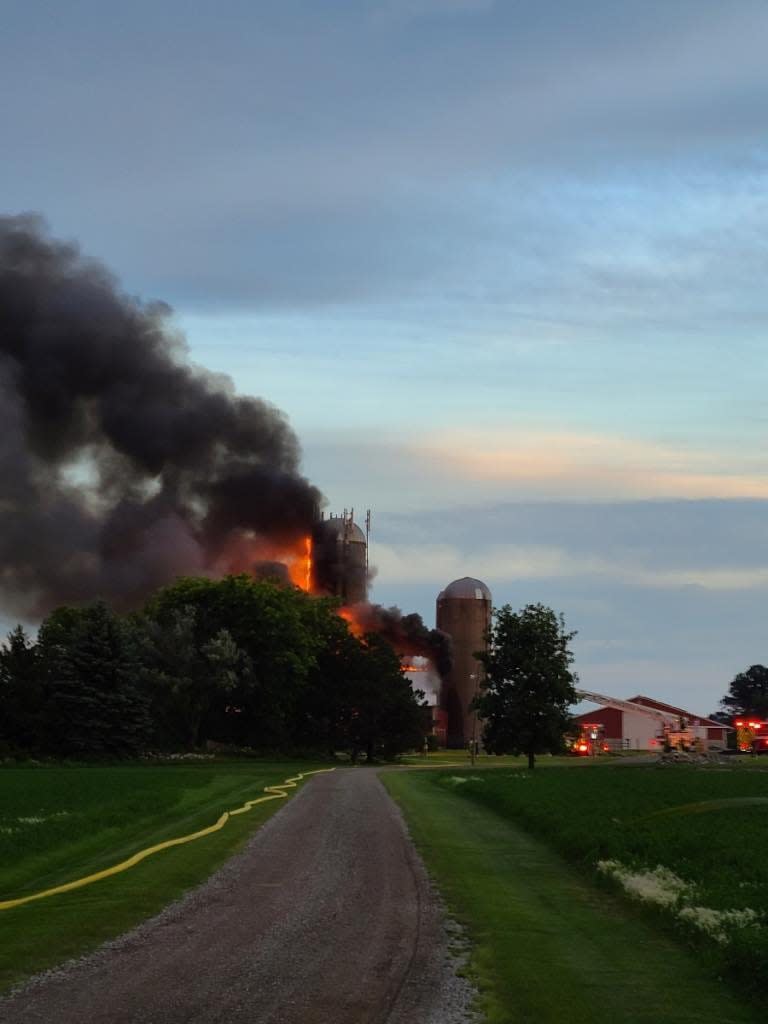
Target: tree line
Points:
(236, 662)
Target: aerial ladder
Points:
(592, 738)
(665, 717)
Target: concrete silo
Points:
(340, 559)
(464, 613)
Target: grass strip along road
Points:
(688, 842)
(63, 823)
(548, 946)
(277, 792)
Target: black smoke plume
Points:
(121, 464)
(407, 634)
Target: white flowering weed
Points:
(716, 923)
(664, 888)
(660, 886)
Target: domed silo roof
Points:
(337, 524)
(465, 589)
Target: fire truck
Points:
(751, 735)
(591, 740)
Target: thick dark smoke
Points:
(276, 572)
(407, 634)
(121, 465)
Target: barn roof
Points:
(649, 702)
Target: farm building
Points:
(640, 723)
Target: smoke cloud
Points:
(121, 464)
(407, 634)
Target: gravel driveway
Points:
(327, 917)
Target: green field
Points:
(521, 902)
(442, 758)
(60, 823)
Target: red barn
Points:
(637, 724)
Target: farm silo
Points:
(464, 613)
(340, 559)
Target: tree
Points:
(528, 684)
(748, 693)
(271, 648)
(236, 660)
(387, 715)
(359, 700)
(187, 675)
(21, 697)
(322, 717)
(90, 672)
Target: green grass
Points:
(710, 827)
(548, 946)
(61, 823)
(440, 758)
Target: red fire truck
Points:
(591, 740)
(751, 735)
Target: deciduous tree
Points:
(528, 685)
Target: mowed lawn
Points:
(62, 823)
(515, 856)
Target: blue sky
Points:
(502, 264)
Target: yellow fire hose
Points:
(278, 792)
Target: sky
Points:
(502, 264)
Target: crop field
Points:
(61, 823)
(689, 845)
(453, 758)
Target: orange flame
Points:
(308, 563)
(300, 564)
(244, 553)
(355, 626)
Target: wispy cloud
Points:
(594, 465)
(440, 562)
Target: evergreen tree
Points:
(94, 703)
(21, 694)
(747, 693)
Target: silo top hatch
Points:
(465, 589)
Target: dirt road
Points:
(327, 917)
